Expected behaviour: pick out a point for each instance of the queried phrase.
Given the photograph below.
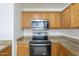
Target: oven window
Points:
(40, 51)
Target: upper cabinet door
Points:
(26, 20)
(54, 19)
(35, 15)
(66, 20)
(44, 15)
(71, 16)
(28, 16)
(40, 15)
(75, 15)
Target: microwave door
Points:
(41, 24)
(37, 24)
(34, 24)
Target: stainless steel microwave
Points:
(40, 24)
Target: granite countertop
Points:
(27, 39)
(4, 44)
(69, 43)
(24, 40)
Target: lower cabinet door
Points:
(62, 54)
(59, 50)
(22, 49)
(65, 52)
(55, 49)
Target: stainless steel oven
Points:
(40, 49)
(40, 24)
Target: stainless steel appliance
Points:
(40, 35)
(40, 45)
(38, 24)
(40, 48)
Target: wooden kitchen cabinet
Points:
(65, 52)
(6, 52)
(22, 49)
(66, 19)
(40, 15)
(55, 49)
(75, 15)
(53, 17)
(54, 20)
(28, 16)
(59, 50)
(26, 20)
(71, 16)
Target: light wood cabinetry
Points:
(54, 20)
(71, 16)
(6, 52)
(66, 19)
(26, 18)
(55, 49)
(59, 50)
(40, 15)
(65, 52)
(53, 17)
(22, 49)
(75, 15)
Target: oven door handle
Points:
(39, 44)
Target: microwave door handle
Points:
(45, 24)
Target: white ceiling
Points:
(44, 6)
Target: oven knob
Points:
(44, 53)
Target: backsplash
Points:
(50, 32)
(74, 33)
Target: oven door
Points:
(40, 49)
